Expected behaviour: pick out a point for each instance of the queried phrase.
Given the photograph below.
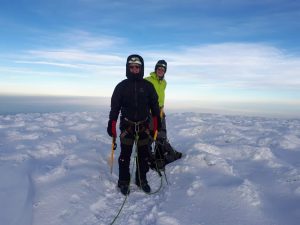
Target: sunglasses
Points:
(161, 69)
(134, 67)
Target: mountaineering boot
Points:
(178, 155)
(124, 187)
(143, 185)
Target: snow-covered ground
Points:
(236, 171)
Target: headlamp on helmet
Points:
(134, 60)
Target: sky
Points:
(218, 52)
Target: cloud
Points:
(77, 50)
(231, 66)
(75, 56)
(85, 40)
(67, 61)
(243, 65)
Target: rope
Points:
(154, 143)
(132, 170)
(138, 168)
(160, 156)
(119, 211)
(125, 199)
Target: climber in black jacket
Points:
(135, 98)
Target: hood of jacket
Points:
(130, 75)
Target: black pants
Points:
(142, 166)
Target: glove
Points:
(156, 123)
(111, 128)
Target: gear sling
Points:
(127, 138)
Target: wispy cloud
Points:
(233, 64)
(236, 65)
(49, 63)
(86, 40)
(75, 56)
(78, 50)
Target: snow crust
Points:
(238, 170)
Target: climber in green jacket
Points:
(157, 78)
(158, 81)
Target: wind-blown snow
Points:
(236, 170)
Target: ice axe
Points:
(155, 135)
(113, 148)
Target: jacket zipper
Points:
(135, 100)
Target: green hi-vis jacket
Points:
(160, 87)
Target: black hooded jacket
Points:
(134, 97)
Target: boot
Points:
(178, 155)
(143, 185)
(124, 187)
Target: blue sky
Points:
(218, 52)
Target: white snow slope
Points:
(236, 171)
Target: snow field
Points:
(235, 170)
